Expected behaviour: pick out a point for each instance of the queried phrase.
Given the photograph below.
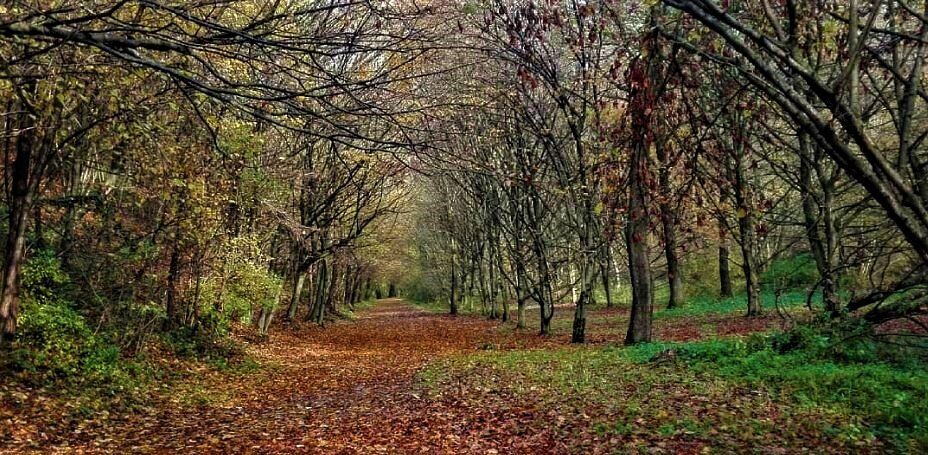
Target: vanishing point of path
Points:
(346, 388)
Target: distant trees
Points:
(786, 128)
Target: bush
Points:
(796, 272)
(200, 344)
(52, 338)
(245, 285)
(42, 280)
(54, 342)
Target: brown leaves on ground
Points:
(346, 388)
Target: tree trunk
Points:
(674, 275)
(636, 235)
(748, 236)
(20, 203)
(725, 289)
(453, 303)
(636, 238)
(298, 281)
(669, 224)
(604, 262)
(173, 277)
(520, 294)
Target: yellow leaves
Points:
(611, 114)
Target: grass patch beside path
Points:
(720, 394)
(698, 306)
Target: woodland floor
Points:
(358, 387)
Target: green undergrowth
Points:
(705, 305)
(360, 307)
(94, 364)
(853, 391)
(58, 349)
(441, 307)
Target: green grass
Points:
(702, 305)
(441, 307)
(846, 394)
(889, 396)
(360, 307)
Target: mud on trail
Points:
(346, 388)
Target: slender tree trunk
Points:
(814, 217)
(520, 295)
(297, 280)
(674, 275)
(748, 237)
(616, 269)
(173, 277)
(604, 263)
(725, 288)
(589, 259)
(453, 303)
(320, 285)
(669, 224)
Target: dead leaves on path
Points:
(350, 388)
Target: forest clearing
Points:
(464, 226)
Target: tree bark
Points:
(296, 291)
(20, 203)
(173, 277)
(748, 242)
(668, 225)
(639, 264)
(725, 288)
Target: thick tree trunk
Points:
(643, 102)
(21, 200)
(639, 328)
(636, 238)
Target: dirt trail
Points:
(347, 388)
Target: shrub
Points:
(234, 293)
(794, 272)
(42, 280)
(54, 341)
(52, 338)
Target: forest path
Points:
(345, 388)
